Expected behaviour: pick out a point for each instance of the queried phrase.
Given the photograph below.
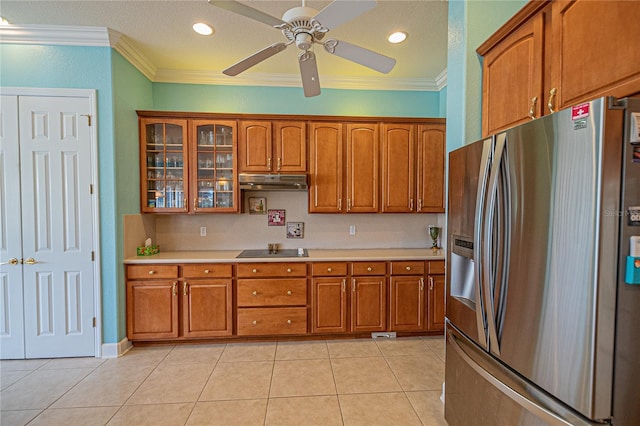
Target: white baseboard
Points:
(115, 350)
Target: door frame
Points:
(95, 202)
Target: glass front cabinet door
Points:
(164, 157)
(214, 161)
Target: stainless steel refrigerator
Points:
(543, 315)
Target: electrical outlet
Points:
(352, 230)
(203, 231)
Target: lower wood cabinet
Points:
(196, 301)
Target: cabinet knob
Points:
(288, 321)
(408, 268)
(288, 269)
(255, 293)
(329, 269)
(206, 271)
(289, 293)
(254, 271)
(152, 272)
(369, 269)
(255, 322)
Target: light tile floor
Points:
(343, 382)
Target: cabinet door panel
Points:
(398, 168)
(329, 305)
(255, 147)
(512, 77)
(595, 50)
(290, 146)
(407, 303)
(206, 308)
(362, 168)
(436, 302)
(368, 303)
(325, 189)
(430, 181)
(152, 310)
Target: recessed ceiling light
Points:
(202, 28)
(3, 21)
(397, 37)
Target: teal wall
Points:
(291, 100)
(80, 68)
(470, 24)
(131, 91)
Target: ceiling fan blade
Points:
(360, 55)
(254, 59)
(249, 12)
(339, 12)
(309, 73)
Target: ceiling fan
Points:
(305, 26)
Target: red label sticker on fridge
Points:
(580, 111)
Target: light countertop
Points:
(315, 255)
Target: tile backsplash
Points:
(321, 231)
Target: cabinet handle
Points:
(254, 271)
(279, 164)
(532, 108)
(419, 204)
(348, 204)
(552, 98)
(369, 269)
(344, 285)
(329, 269)
(430, 283)
(340, 204)
(195, 204)
(152, 272)
(206, 271)
(255, 293)
(421, 284)
(288, 321)
(186, 204)
(289, 270)
(289, 293)
(411, 204)
(184, 288)
(408, 268)
(353, 284)
(255, 322)
(174, 288)
(269, 163)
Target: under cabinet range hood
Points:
(272, 182)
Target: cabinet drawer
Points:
(436, 267)
(368, 268)
(142, 272)
(407, 268)
(264, 321)
(252, 270)
(207, 270)
(272, 292)
(329, 269)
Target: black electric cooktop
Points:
(258, 253)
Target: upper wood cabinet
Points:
(188, 165)
(363, 177)
(326, 167)
(413, 168)
(272, 146)
(554, 54)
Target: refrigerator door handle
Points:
(481, 196)
(488, 277)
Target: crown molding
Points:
(293, 80)
(100, 36)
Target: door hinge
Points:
(94, 322)
(90, 188)
(88, 118)
(93, 256)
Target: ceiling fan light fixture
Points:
(397, 37)
(202, 28)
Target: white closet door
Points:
(11, 307)
(55, 157)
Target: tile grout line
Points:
(333, 374)
(205, 384)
